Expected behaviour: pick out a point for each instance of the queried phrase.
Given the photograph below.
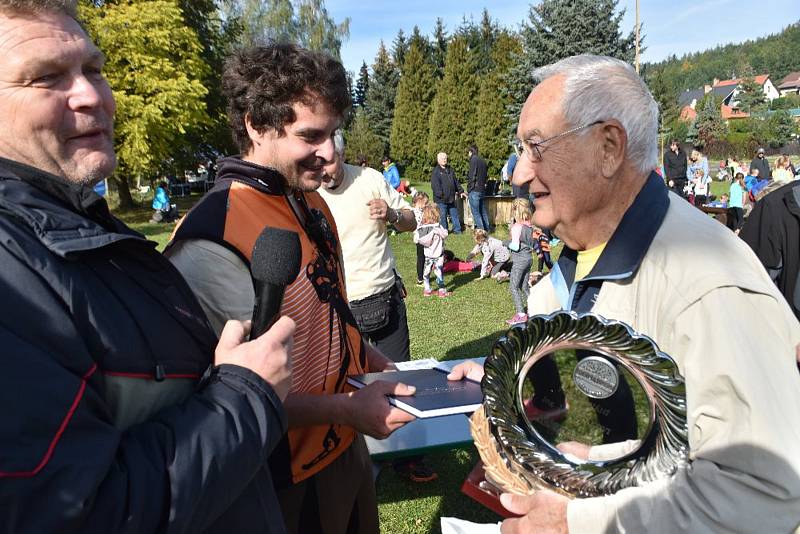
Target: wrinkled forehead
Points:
(542, 115)
(26, 37)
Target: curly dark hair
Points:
(68, 7)
(265, 81)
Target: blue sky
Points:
(674, 26)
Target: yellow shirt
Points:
(587, 259)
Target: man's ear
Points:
(255, 136)
(614, 143)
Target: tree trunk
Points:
(124, 192)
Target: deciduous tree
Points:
(156, 71)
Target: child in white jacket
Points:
(431, 236)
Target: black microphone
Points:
(274, 264)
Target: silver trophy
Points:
(620, 401)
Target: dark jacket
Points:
(444, 185)
(675, 165)
(773, 231)
(477, 174)
(106, 425)
(762, 164)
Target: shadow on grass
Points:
(459, 279)
(401, 500)
(474, 348)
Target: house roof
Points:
(761, 79)
(688, 114)
(687, 96)
(723, 91)
(727, 112)
(791, 80)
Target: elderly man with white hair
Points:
(637, 253)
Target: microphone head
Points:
(276, 256)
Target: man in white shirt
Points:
(363, 204)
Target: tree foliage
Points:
(453, 122)
(556, 29)
(361, 140)
(493, 137)
(305, 22)
(480, 40)
(781, 128)
(399, 48)
(409, 137)
(156, 71)
(439, 47)
(751, 97)
(208, 140)
(381, 95)
(775, 55)
(362, 86)
(710, 126)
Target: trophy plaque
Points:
(611, 410)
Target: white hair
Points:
(599, 88)
(338, 142)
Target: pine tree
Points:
(362, 86)
(453, 122)
(381, 94)
(709, 124)
(439, 50)
(751, 97)
(557, 29)
(361, 140)
(412, 113)
(480, 40)
(493, 138)
(399, 48)
(423, 43)
(781, 128)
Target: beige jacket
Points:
(703, 296)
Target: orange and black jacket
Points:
(328, 346)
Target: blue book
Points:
(435, 395)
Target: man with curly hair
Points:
(285, 104)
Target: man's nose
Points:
(86, 93)
(326, 149)
(524, 171)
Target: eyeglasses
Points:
(533, 149)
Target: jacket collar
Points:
(66, 217)
(265, 179)
(628, 244)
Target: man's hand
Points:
(379, 210)
(468, 369)
(269, 356)
(575, 448)
(463, 195)
(370, 412)
(378, 361)
(544, 512)
(671, 183)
